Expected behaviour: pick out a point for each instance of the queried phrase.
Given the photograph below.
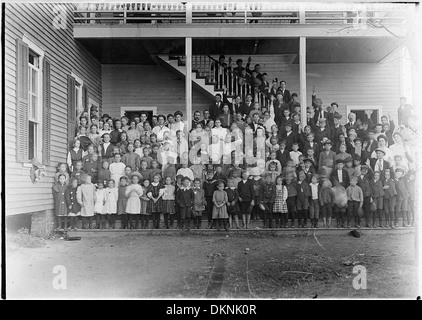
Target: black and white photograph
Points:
(228, 151)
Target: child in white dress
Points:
(99, 208)
(112, 195)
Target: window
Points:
(34, 105)
(79, 103)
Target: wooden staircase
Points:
(209, 77)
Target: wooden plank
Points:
(35, 21)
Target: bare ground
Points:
(197, 266)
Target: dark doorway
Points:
(131, 114)
(360, 114)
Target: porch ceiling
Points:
(324, 50)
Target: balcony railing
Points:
(239, 13)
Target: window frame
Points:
(37, 50)
(79, 104)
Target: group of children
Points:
(227, 197)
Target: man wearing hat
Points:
(378, 163)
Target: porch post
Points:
(302, 72)
(188, 85)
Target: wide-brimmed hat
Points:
(381, 150)
(254, 171)
(137, 174)
(309, 160)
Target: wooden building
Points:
(125, 57)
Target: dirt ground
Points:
(215, 266)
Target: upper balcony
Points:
(240, 20)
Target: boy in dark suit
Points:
(209, 186)
(246, 196)
(340, 176)
(185, 199)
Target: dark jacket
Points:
(376, 189)
(106, 154)
(283, 157)
(290, 139)
(185, 198)
(71, 201)
(268, 192)
(335, 180)
(391, 190)
(246, 190)
(209, 187)
(365, 184)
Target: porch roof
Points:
(319, 50)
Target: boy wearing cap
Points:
(327, 157)
(354, 202)
(315, 189)
(364, 183)
(390, 198)
(291, 198)
(348, 166)
(377, 195)
(185, 199)
(283, 154)
(209, 186)
(403, 196)
(246, 196)
(309, 169)
(267, 198)
(340, 176)
(302, 199)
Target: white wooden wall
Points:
(66, 56)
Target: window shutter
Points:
(46, 112)
(71, 109)
(85, 97)
(22, 127)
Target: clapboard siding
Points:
(364, 84)
(347, 84)
(66, 55)
(129, 85)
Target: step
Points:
(299, 232)
(258, 223)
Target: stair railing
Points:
(235, 85)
